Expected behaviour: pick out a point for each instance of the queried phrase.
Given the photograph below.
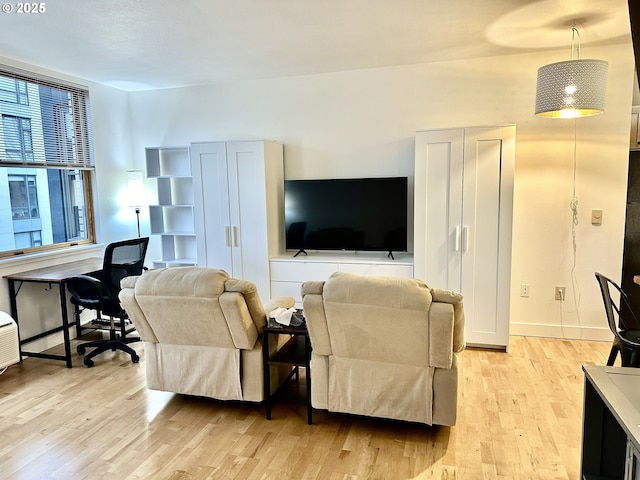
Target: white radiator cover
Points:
(9, 349)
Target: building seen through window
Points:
(18, 142)
(45, 165)
(13, 91)
(24, 197)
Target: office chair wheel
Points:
(88, 362)
(81, 349)
(135, 358)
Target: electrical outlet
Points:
(524, 290)
(560, 293)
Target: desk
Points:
(611, 423)
(58, 275)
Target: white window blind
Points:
(46, 164)
(45, 122)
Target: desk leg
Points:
(267, 374)
(14, 311)
(307, 348)
(65, 324)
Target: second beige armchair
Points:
(384, 347)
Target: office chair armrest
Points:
(85, 288)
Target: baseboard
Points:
(572, 332)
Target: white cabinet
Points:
(288, 273)
(172, 218)
(463, 218)
(239, 200)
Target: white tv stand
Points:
(289, 272)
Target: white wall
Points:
(112, 141)
(362, 122)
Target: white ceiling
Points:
(149, 44)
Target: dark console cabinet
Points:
(631, 252)
(611, 423)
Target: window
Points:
(13, 91)
(18, 143)
(28, 239)
(24, 197)
(46, 164)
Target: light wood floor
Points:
(519, 417)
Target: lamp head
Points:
(574, 88)
(571, 89)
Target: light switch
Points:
(596, 217)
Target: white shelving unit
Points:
(172, 218)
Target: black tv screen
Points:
(366, 214)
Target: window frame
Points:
(74, 154)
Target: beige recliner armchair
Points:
(384, 347)
(202, 332)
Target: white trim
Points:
(41, 76)
(54, 257)
(572, 332)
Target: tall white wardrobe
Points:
(239, 202)
(463, 222)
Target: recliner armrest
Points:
(251, 298)
(129, 282)
(456, 299)
(441, 328)
(129, 302)
(445, 296)
(242, 326)
(312, 288)
(313, 305)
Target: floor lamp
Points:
(134, 191)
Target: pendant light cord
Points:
(575, 33)
(574, 226)
(574, 198)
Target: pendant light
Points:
(573, 88)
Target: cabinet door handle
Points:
(235, 235)
(467, 239)
(456, 239)
(227, 238)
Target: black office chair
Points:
(99, 291)
(620, 316)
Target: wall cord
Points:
(574, 225)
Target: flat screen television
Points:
(360, 214)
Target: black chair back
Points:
(619, 317)
(122, 259)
